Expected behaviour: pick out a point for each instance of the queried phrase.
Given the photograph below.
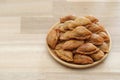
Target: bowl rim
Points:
(72, 65)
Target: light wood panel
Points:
(94, 0)
(25, 8)
(23, 28)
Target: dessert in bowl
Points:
(78, 42)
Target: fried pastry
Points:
(96, 39)
(87, 26)
(87, 48)
(77, 33)
(95, 28)
(82, 59)
(92, 18)
(66, 18)
(72, 44)
(81, 21)
(65, 55)
(104, 47)
(63, 27)
(59, 45)
(70, 24)
(67, 35)
(104, 36)
(98, 23)
(79, 41)
(52, 38)
(98, 55)
(82, 33)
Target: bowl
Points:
(72, 65)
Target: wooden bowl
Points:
(72, 65)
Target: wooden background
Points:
(23, 28)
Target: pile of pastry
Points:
(79, 40)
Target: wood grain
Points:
(23, 28)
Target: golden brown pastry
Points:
(96, 39)
(74, 52)
(95, 28)
(72, 44)
(67, 35)
(66, 18)
(52, 38)
(104, 36)
(82, 33)
(81, 21)
(87, 26)
(82, 59)
(104, 47)
(87, 48)
(98, 55)
(65, 55)
(79, 40)
(77, 33)
(102, 26)
(59, 45)
(92, 18)
(70, 24)
(63, 27)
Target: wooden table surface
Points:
(23, 28)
